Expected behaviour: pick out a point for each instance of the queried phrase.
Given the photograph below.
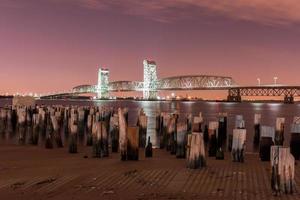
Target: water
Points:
(269, 112)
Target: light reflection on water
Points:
(210, 110)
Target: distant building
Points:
(150, 80)
(103, 81)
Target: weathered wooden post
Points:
(14, 119)
(181, 140)
(21, 125)
(66, 121)
(222, 129)
(114, 133)
(266, 141)
(29, 131)
(132, 143)
(49, 132)
(148, 150)
(213, 134)
(42, 122)
(197, 123)
(257, 121)
(239, 124)
(164, 137)
(189, 123)
(295, 138)
(3, 119)
(171, 141)
(89, 140)
(195, 151)
(73, 138)
(100, 146)
(279, 133)
(35, 131)
(142, 124)
(56, 131)
(206, 134)
(158, 127)
(122, 135)
(238, 145)
(283, 170)
(9, 127)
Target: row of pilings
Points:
(106, 131)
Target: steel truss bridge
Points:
(200, 82)
(195, 82)
(235, 94)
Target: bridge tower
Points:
(150, 80)
(102, 86)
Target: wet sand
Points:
(28, 172)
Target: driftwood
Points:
(279, 132)
(238, 145)
(195, 151)
(257, 121)
(266, 141)
(283, 170)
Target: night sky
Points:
(50, 45)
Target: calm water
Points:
(210, 110)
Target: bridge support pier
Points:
(234, 95)
(234, 98)
(289, 99)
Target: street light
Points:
(275, 80)
(258, 80)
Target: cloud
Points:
(268, 12)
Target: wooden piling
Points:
(73, 138)
(197, 123)
(238, 145)
(257, 121)
(283, 170)
(132, 143)
(266, 141)
(222, 129)
(3, 118)
(149, 150)
(114, 133)
(279, 132)
(142, 124)
(181, 140)
(195, 151)
(122, 134)
(213, 134)
(295, 138)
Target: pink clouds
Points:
(268, 12)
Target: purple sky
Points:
(50, 45)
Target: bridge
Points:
(151, 85)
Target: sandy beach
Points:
(28, 172)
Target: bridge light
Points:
(173, 94)
(275, 80)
